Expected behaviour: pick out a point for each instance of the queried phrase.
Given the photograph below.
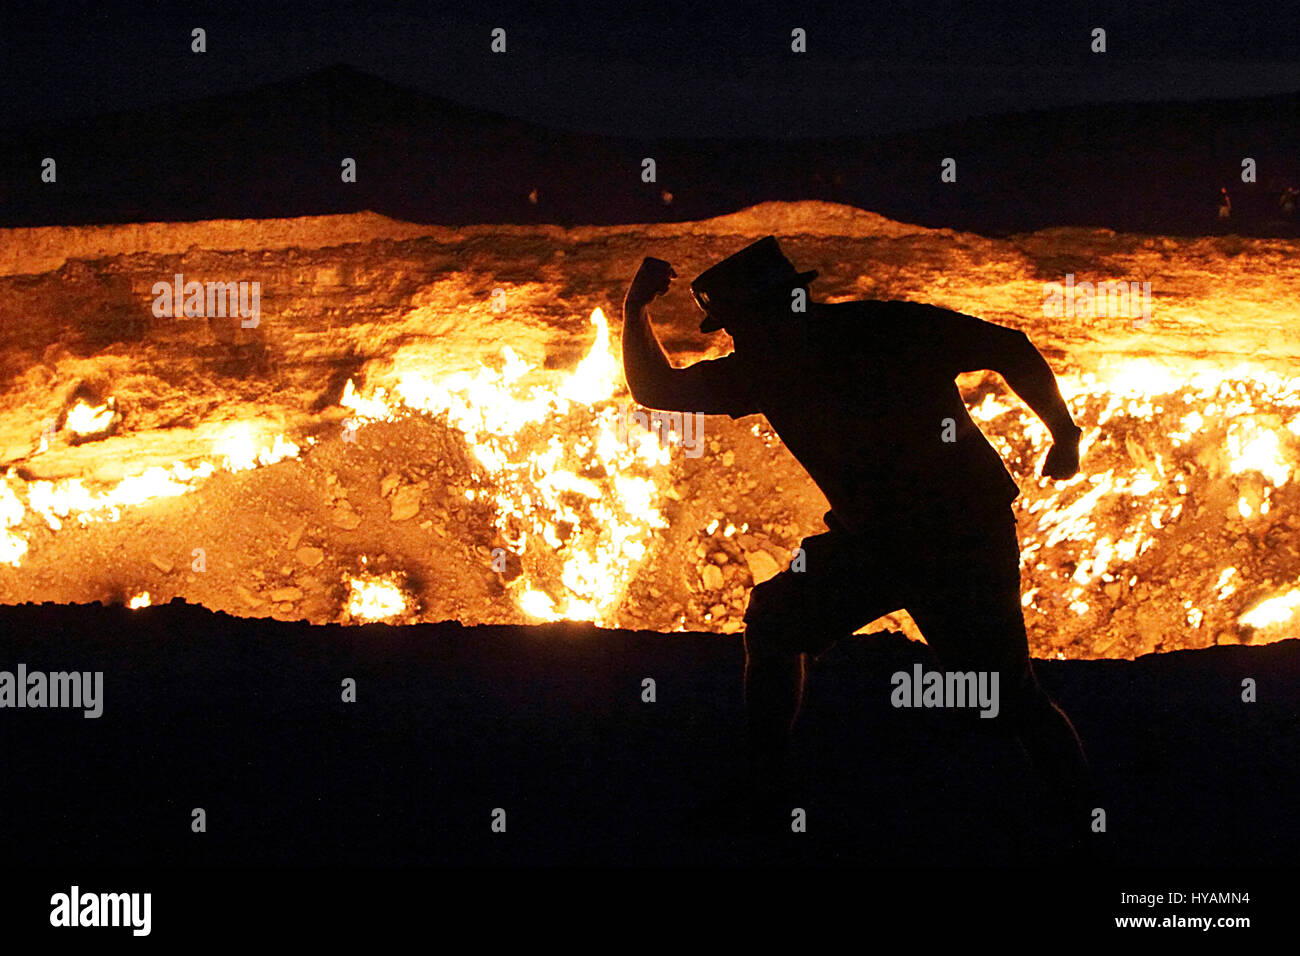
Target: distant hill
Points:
(275, 151)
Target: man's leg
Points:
(774, 682)
(1044, 731)
(1053, 747)
(846, 584)
(970, 613)
(755, 799)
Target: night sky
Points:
(687, 69)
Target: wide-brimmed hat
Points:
(750, 274)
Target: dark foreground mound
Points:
(245, 719)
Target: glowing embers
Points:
(140, 600)
(1178, 464)
(574, 501)
(86, 422)
(1253, 447)
(243, 446)
(1272, 612)
(1224, 586)
(237, 447)
(88, 415)
(233, 447)
(373, 597)
(55, 501)
(12, 545)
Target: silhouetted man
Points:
(863, 395)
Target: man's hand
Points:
(1062, 461)
(651, 280)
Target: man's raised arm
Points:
(646, 368)
(651, 379)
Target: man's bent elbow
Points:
(1016, 355)
(645, 392)
(652, 398)
(665, 396)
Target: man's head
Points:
(748, 289)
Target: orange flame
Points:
(592, 500)
(376, 598)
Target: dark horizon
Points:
(272, 151)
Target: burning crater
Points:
(429, 424)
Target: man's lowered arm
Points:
(1010, 353)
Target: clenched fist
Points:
(651, 280)
(1062, 462)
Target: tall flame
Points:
(589, 499)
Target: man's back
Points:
(865, 399)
